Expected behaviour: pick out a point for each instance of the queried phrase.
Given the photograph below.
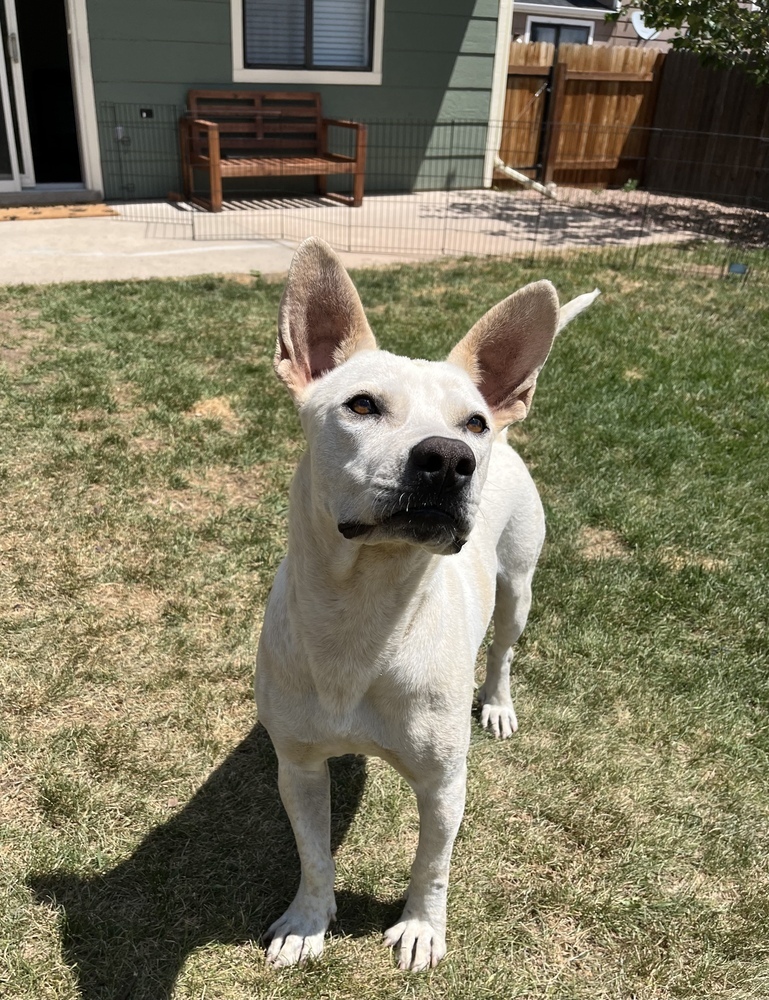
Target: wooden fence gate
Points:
(579, 117)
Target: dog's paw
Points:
(419, 946)
(498, 717)
(294, 938)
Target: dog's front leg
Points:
(420, 935)
(299, 933)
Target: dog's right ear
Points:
(506, 349)
(321, 322)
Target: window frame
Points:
(556, 22)
(241, 73)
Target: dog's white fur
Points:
(378, 610)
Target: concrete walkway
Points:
(48, 250)
(161, 240)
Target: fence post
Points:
(540, 203)
(447, 200)
(641, 229)
(554, 130)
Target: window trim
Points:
(567, 22)
(244, 74)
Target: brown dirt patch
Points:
(602, 543)
(218, 408)
(145, 444)
(91, 416)
(124, 395)
(633, 375)
(242, 279)
(678, 559)
(16, 343)
(18, 795)
(218, 489)
(625, 284)
(126, 600)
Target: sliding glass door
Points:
(10, 179)
(16, 169)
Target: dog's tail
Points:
(567, 313)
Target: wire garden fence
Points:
(425, 195)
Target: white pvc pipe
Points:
(516, 175)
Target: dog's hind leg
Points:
(298, 934)
(516, 564)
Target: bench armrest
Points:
(360, 137)
(187, 124)
(343, 123)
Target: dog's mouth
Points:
(430, 526)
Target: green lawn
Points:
(617, 847)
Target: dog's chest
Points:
(379, 650)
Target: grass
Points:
(617, 847)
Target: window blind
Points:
(275, 33)
(340, 32)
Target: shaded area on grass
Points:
(221, 870)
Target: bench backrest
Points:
(258, 123)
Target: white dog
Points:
(408, 514)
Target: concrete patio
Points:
(161, 239)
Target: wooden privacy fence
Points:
(712, 133)
(579, 117)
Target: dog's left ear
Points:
(506, 349)
(321, 322)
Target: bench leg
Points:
(214, 168)
(357, 190)
(322, 185)
(188, 184)
(188, 178)
(215, 181)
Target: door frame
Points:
(6, 112)
(86, 121)
(498, 88)
(83, 91)
(26, 167)
(14, 184)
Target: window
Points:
(559, 32)
(296, 41)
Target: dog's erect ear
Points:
(321, 322)
(506, 349)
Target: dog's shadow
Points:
(221, 870)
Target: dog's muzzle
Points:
(431, 506)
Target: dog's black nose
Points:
(442, 464)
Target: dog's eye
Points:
(476, 424)
(364, 405)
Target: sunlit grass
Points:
(616, 848)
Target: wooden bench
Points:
(249, 133)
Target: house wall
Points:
(437, 70)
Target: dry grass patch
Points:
(126, 600)
(244, 279)
(213, 492)
(218, 408)
(681, 559)
(17, 341)
(602, 543)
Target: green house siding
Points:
(437, 67)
